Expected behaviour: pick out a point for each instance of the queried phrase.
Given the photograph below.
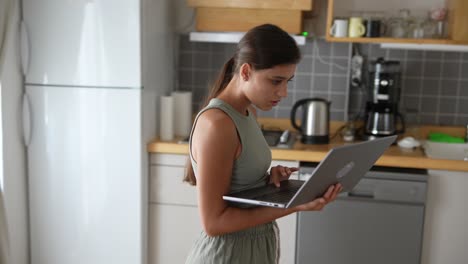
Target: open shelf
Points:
(458, 28)
(395, 40)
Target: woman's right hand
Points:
(319, 203)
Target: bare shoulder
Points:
(214, 134)
(215, 121)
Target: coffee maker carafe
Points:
(382, 115)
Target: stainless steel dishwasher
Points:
(380, 221)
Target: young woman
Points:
(229, 153)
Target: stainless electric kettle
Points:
(314, 126)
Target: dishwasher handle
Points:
(361, 194)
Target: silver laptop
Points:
(345, 164)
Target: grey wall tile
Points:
(450, 70)
(202, 46)
(321, 67)
(411, 104)
(464, 56)
(376, 52)
(303, 82)
(305, 65)
(463, 106)
(428, 105)
(321, 83)
(452, 56)
(340, 66)
(411, 86)
(464, 69)
(463, 89)
(427, 119)
(449, 87)
(430, 87)
(185, 78)
(338, 102)
(322, 48)
(446, 120)
(201, 60)
(447, 105)
(397, 54)
(433, 55)
(340, 49)
(217, 60)
(432, 69)
(308, 48)
(186, 60)
(339, 84)
(415, 55)
(462, 120)
(413, 68)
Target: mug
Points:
(339, 28)
(373, 28)
(356, 27)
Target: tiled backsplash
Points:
(434, 84)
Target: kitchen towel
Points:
(166, 117)
(182, 113)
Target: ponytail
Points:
(221, 82)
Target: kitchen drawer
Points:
(167, 187)
(168, 159)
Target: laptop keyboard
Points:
(283, 194)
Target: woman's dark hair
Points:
(262, 47)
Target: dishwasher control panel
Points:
(406, 187)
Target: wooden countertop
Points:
(393, 157)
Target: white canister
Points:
(166, 118)
(182, 113)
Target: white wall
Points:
(14, 152)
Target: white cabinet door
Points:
(173, 215)
(287, 224)
(83, 43)
(172, 232)
(445, 237)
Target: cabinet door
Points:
(287, 224)
(172, 232)
(83, 43)
(287, 227)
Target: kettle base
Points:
(315, 139)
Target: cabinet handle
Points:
(25, 48)
(27, 122)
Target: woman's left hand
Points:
(280, 173)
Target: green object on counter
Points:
(444, 138)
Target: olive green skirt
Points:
(259, 245)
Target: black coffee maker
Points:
(382, 115)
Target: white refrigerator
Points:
(83, 128)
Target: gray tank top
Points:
(250, 168)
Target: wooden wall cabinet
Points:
(457, 25)
(242, 15)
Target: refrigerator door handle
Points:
(27, 122)
(25, 48)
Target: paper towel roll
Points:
(182, 113)
(166, 117)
